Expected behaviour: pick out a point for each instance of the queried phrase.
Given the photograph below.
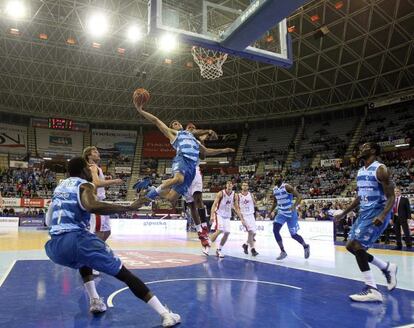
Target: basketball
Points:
(140, 97)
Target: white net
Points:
(210, 62)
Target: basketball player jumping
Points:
(72, 245)
(375, 200)
(247, 205)
(224, 202)
(194, 196)
(100, 224)
(184, 163)
(283, 194)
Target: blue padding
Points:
(265, 14)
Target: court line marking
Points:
(6, 274)
(410, 325)
(112, 296)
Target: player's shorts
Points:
(365, 231)
(196, 186)
(76, 249)
(291, 220)
(99, 223)
(250, 221)
(221, 223)
(186, 167)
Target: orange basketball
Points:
(141, 97)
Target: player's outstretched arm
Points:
(205, 134)
(384, 177)
(212, 151)
(102, 183)
(169, 133)
(91, 203)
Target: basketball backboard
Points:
(256, 29)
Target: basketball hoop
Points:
(210, 62)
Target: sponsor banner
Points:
(386, 145)
(123, 169)
(148, 227)
(156, 145)
(32, 202)
(331, 162)
(247, 168)
(273, 167)
(11, 202)
(59, 142)
(327, 200)
(115, 143)
(390, 101)
(13, 139)
(209, 196)
(308, 230)
(9, 222)
(168, 170)
(31, 222)
(19, 164)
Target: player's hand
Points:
(118, 181)
(272, 214)
(139, 107)
(230, 150)
(378, 220)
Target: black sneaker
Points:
(254, 253)
(245, 248)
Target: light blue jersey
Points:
(67, 212)
(186, 145)
(370, 191)
(284, 200)
(372, 204)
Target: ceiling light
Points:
(98, 24)
(134, 33)
(167, 42)
(15, 9)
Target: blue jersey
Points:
(67, 212)
(186, 145)
(284, 200)
(370, 191)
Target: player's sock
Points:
(380, 264)
(198, 228)
(157, 306)
(91, 289)
(369, 279)
(204, 224)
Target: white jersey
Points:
(246, 203)
(225, 204)
(100, 192)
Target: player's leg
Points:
(95, 253)
(251, 242)
(225, 228)
(165, 186)
(198, 200)
(277, 225)
(96, 303)
(293, 226)
(363, 235)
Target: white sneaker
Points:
(206, 250)
(97, 305)
(170, 319)
(281, 256)
(95, 273)
(390, 273)
(368, 294)
(219, 254)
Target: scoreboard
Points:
(60, 124)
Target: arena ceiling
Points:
(366, 54)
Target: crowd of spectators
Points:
(27, 183)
